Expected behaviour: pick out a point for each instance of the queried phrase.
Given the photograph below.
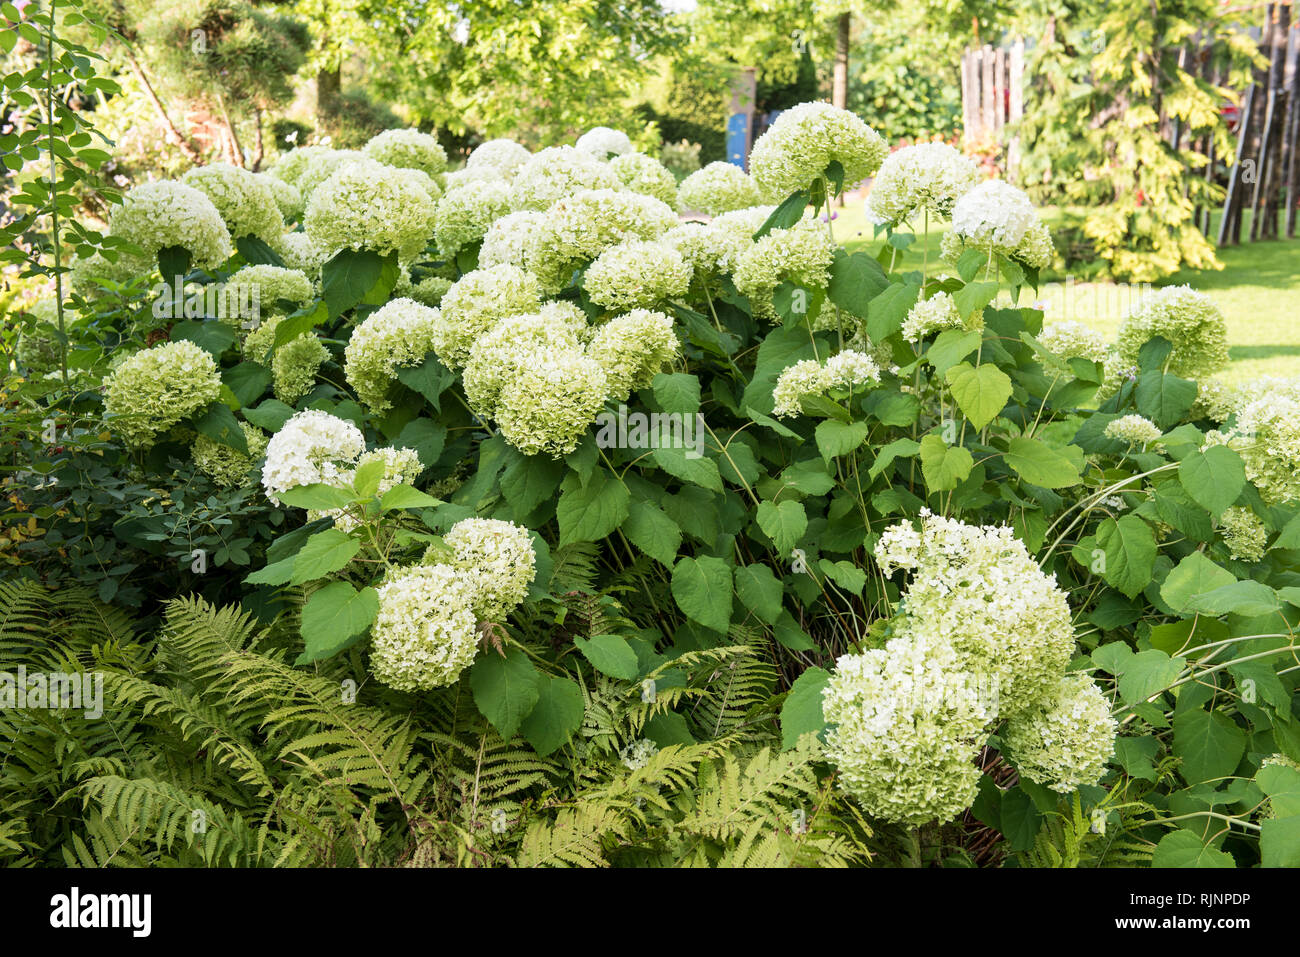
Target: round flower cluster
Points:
(428, 291)
(321, 166)
(399, 333)
(367, 205)
(408, 149)
(556, 172)
(1189, 320)
(549, 403)
(718, 246)
(718, 188)
(247, 204)
(466, 212)
(636, 273)
(928, 176)
(929, 316)
(424, 635)
(646, 175)
(1074, 340)
(977, 588)
(312, 447)
(472, 174)
(475, 303)
(272, 284)
(1066, 737)
(500, 154)
(295, 364)
(994, 216)
(602, 143)
(163, 214)
(802, 255)
(498, 561)
(287, 197)
(1244, 533)
(632, 349)
(508, 240)
(1267, 436)
(907, 724)
(156, 388)
(805, 140)
(845, 370)
(1133, 429)
(291, 165)
(515, 342)
(226, 466)
(297, 251)
(637, 754)
(579, 227)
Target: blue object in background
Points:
(737, 138)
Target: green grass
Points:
(1258, 291)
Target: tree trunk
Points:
(840, 76)
(259, 148)
(329, 84)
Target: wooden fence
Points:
(993, 96)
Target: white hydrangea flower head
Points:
(498, 561)
(718, 188)
(927, 176)
(718, 246)
(601, 142)
(637, 754)
(297, 251)
(473, 174)
(1189, 320)
(466, 212)
(409, 149)
(287, 197)
(515, 342)
(228, 467)
(475, 303)
(1064, 739)
(804, 378)
(1244, 533)
(556, 172)
(1036, 249)
(502, 154)
(549, 403)
(399, 333)
(246, 203)
(993, 215)
(367, 205)
(154, 389)
(425, 633)
(632, 349)
(1267, 436)
(163, 214)
(1133, 429)
(977, 588)
(312, 447)
(291, 165)
(801, 254)
(295, 364)
(580, 227)
(508, 240)
(636, 274)
(931, 315)
(273, 284)
(646, 175)
(906, 725)
(1074, 340)
(428, 291)
(849, 369)
(320, 167)
(804, 141)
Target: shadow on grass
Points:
(1261, 352)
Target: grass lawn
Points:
(1258, 291)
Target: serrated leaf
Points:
(801, 713)
(610, 655)
(505, 689)
(980, 392)
(556, 717)
(334, 617)
(702, 588)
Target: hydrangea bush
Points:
(650, 500)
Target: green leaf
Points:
(325, 552)
(856, 279)
(1147, 673)
(1040, 464)
(334, 617)
(212, 335)
(406, 496)
(610, 655)
(950, 347)
(837, 438)
(317, 497)
(430, 378)
(973, 297)
(366, 479)
(247, 381)
(760, 591)
(1248, 598)
(529, 480)
(899, 448)
(981, 392)
(685, 465)
(677, 392)
(270, 415)
(1019, 819)
(505, 689)
(1279, 842)
(789, 635)
(587, 513)
(784, 523)
(801, 712)
(556, 717)
(425, 437)
(299, 323)
(1282, 785)
(173, 261)
(276, 573)
(1208, 744)
(944, 468)
(1164, 398)
(887, 311)
(1194, 575)
(1213, 478)
(218, 423)
(1182, 848)
(784, 216)
(354, 276)
(702, 589)
(256, 252)
(847, 575)
(649, 528)
(892, 408)
(1130, 550)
